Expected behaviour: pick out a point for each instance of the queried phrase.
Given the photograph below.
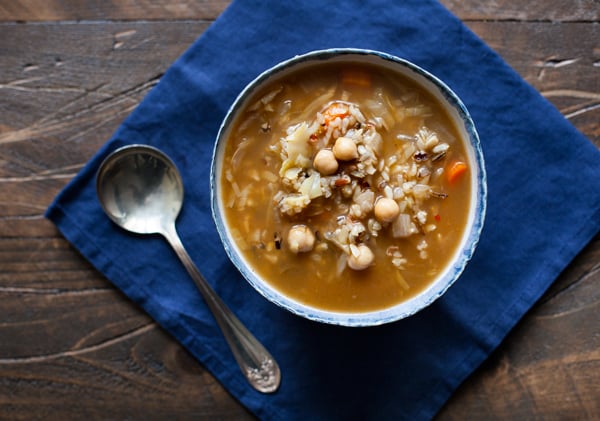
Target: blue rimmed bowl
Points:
(466, 128)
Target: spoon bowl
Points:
(140, 189)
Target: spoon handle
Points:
(259, 367)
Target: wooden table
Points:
(72, 346)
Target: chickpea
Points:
(362, 260)
(325, 162)
(345, 149)
(386, 209)
(300, 239)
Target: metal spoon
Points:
(141, 190)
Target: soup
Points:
(345, 187)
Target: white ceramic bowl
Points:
(466, 128)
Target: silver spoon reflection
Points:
(141, 190)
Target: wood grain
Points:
(72, 346)
(554, 11)
(66, 10)
(467, 10)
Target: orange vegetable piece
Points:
(356, 77)
(455, 170)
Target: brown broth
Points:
(248, 189)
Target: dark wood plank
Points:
(61, 10)
(540, 11)
(62, 99)
(139, 373)
(56, 10)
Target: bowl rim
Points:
(470, 238)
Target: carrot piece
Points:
(356, 77)
(455, 170)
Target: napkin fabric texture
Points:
(543, 207)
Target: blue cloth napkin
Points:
(543, 208)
